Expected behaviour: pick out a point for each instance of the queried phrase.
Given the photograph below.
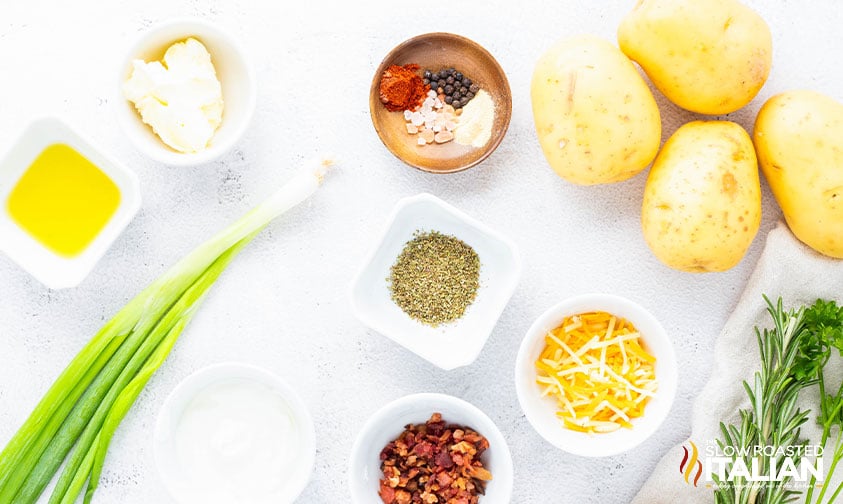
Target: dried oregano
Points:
(435, 278)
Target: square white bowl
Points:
(53, 270)
(449, 345)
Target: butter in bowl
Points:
(186, 92)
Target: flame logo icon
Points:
(690, 461)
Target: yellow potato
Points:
(707, 56)
(799, 140)
(596, 119)
(702, 201)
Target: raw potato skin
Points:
(595, 117)
(707, 56)
(702, 201)
(799, 140)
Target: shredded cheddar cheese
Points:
(593, 364)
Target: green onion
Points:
(84, 406)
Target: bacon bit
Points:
(402, 497)
(443, 459)
(434, 463)
(464, 447)
(444, 479)
(387, 493)
(480, 473)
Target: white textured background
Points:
(283, 303)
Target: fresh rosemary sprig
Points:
(773, 419)
(793, 356)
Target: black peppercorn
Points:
(457, 89)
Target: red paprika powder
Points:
(401, 88)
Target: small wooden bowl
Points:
(435, 51)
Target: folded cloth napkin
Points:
(786, 269)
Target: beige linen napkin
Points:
(786, 269)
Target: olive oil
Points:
(63, 200)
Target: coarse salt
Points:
(433, 121)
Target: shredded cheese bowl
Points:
(596, 375)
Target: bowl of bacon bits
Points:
(440, 102)
(596, 375)
(429, 448)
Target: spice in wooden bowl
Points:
(401, 88)
(406, 135)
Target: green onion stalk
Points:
(77, 417)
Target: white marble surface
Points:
(283, 304)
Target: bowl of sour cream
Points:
(234, 432)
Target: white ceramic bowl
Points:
(170, 468)
(234, 71)
(541, 411)
(53, 270)
(390, 421)
(500, 268)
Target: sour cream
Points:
(237, 441)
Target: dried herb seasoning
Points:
(435, 278)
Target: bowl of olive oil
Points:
(64, 203)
